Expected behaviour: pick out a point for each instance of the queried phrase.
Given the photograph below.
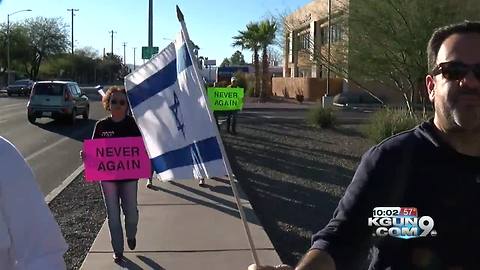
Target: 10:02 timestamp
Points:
(394, 211)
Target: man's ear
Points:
(430, 83)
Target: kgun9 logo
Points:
(400, 222)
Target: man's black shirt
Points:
(413, 169)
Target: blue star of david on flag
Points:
(175, 110)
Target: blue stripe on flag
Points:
(184, 60)
(154, 84)
(208, 150)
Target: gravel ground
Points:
(80, 212)
(294, 176)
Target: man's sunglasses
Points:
(454, 71)
(115, 102)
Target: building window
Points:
(290, 48)
(304, 40)
(323, 35)
(336, 32)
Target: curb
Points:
(275, 108)
(54, 193)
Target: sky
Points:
(211, 23)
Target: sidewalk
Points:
(183, 226)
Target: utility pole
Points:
(134, 67)
(327, 101)
(329, 45)
(150, 23)
(73, 14)
(124, 55)
(112, 32)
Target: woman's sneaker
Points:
(149, 183)
(117, 257)
(132, 243)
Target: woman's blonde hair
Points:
(109, 93)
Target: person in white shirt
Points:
(30, 238)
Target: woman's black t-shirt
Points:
(107, 128)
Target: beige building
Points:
(306, 45)
(306, 32)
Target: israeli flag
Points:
(171, 111)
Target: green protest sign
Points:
(225, 99)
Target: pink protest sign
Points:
(116, 159)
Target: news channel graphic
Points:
(401, 222)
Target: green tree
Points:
(20, 53)
(237, 59)
(385, 41)
(111, 68)
(85, 65)
(249, 39)
(225, 62)
(394, 51)
(47, 37)
(266, 34)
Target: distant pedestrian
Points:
(30, 238)
(230, 115)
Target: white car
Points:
(57, 100)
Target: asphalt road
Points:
(50, 147)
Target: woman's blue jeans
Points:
(122, 194)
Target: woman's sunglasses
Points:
(454, 71)
(115, 102)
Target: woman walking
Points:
(121, 193)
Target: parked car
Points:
(57, 100)
(20, 87)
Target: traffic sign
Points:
(147, 52)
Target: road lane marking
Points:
(56, 191)
(41, 151)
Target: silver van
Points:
(57, 100)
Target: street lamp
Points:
(8, 41)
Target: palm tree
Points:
(249, 39)
(266, 34)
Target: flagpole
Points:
(222, 148)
